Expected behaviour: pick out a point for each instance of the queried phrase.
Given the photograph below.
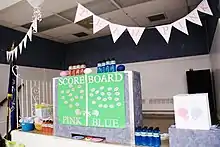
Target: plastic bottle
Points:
(113, 66)
(73, 71)
(156, 136)
(103, 66)
(77, 69)
(82, 68)
(99, 67)
(138, 136)
(107, 66)
(150, 136)
(144, 138)
(70, 70)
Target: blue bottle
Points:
(103, 66)
(156, 136)
(107, 66)
(150, 136)
(144, 138)
(138, 136)
(113, 66)
(99, 67)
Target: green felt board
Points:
(95, 100)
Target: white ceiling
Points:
(58, 15)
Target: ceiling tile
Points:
(127, 3)
(57, 6)
(118, 17)
(51, 22)
(193, 2)
(8, 3)
(7, 24)
(21, 29)
(20, 13)
(68, 14)
(144, 10)
(66, 30)
(100, 6)
(67, 38)
(97, 7)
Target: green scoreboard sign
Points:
(94, 100)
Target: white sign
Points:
(192, 111)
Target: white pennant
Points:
(194, 17)
(25, 41)
(181, 25)
(12, 55)
(136, 33)
(165, 31)
(82, 13)
(21, 46)
(116, 31)
(34, 25)
(204, 7)
(29, 34)
(7, 55)
(99, 24)
(16, 52)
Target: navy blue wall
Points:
(151, 47)
(39, 53)
(211, 22)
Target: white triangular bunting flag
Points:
(204, 7)
(99, 24)
(12, 55)
(82, 13)
(136, 33)
(116, 31)
(25, 41)
(7, 55)
(165, 31)
(21, 46)
(181, 25)
(16, 52)
(29, 34)
(194, 17)
(34, 25)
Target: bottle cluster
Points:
(145, 136)
(106, 66)
(76, 70)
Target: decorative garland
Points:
(37, 16)
(137, 32)
(116, 29)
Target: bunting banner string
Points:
(13, 54)
(37, 16)
(136, 32)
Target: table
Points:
(39, 140)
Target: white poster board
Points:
(192, 111)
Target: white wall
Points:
(215, 62)
(164, 79)
(26, 73)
